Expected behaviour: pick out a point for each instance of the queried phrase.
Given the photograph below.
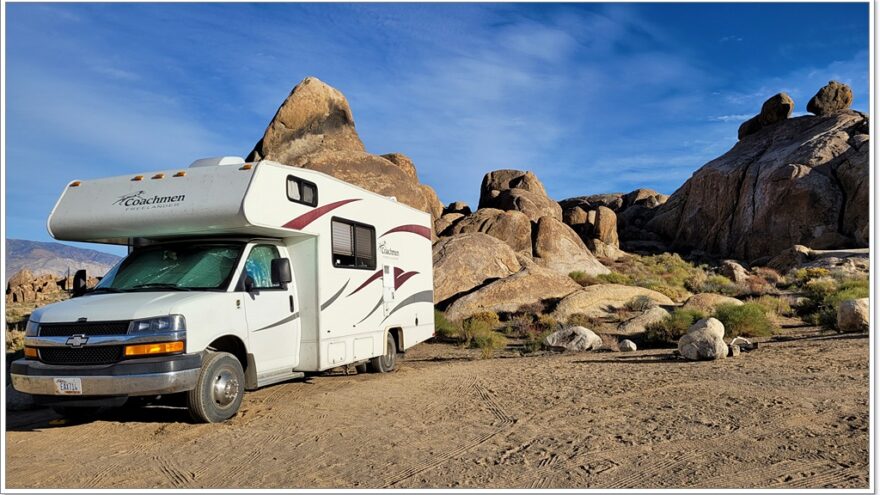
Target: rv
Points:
(239, 275)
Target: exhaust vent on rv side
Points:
(216, 161)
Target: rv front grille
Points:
(89, 328)
(83, 355)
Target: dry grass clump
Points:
(14, 340)
(774, 305)
(747, 320)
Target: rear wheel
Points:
(219, 389)
(386, 362)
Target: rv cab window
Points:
(353, 244)
(302, 191)
(259, 266)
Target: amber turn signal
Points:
(247, 166)
(75, 183)
(30, 352)
(157, 348)
(138, 177)
(159, 176)
(180, 174)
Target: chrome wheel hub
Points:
(225, 388)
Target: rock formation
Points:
(314, 129)
(558, 247)
(800, 181)
(776, 109)
(517, 190)
(466, 261)
(602, 299)
(833, 97)
(27, 287)
(631, 211)
(512, 227)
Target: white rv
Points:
(239, 275)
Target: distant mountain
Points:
(55, 258)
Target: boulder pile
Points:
(802, 180)
(26, 287)
(314, 128)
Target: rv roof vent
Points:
(217, 160)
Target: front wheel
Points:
(386, 362)
(219, 389)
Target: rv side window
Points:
(354, 245)
(302, 191)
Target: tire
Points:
(361, 368)
(78, 413)
(219, 389)
(386, 362)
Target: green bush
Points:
(488, 342)
(444, 328)
(489, 317)
(819, 289)
(774, 305)
(827, 293)
(583, 278)
(747, 320)
(583, 320)
(615, 278)
(804, 275)
(718, 284)
(671, 328)
(640, 303)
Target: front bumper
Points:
(145, 376)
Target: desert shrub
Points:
(820, 288)
(827, 293)
(547, 322)
(615, 278)
(755, 286)
(610, 342)
(534, 308)
(849, 288)
(804, 275)
(14, 340)
(718, 284)
(489, 317)
(769, 275)
(444, 328)
(583, 278)
(671, 328)
(488, 342)
(583, 320)
(774, 305)
(518, 325)
(748, 320)
(673, 292)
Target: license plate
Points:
(68, 386)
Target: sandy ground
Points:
(790, 414)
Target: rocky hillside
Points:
(54, 258)
(314, 129)
(788, 181)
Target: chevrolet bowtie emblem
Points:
(77, 340)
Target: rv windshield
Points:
(173, 267)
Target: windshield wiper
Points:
(157, 285)
(103, 289)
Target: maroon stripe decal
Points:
(398, 281)
(307, 218)
(372, 278)
(411, 228)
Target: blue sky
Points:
(591, 97)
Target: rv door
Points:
(387, 288)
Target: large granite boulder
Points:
(833, 97)
(520, 191)
(638, 324)
(704, 341)
(801, 181)
(776, 109)
(314, 128)
(603, 299)
(575, 339)
(442, 226)
(528, 286)
(559, 248)
(466, 261)
(512, 227)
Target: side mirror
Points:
(248, 283)
(80, 283)
(281, 271)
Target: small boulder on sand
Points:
(854, 315)
(626, 345)
(576, 339)
(704, 341)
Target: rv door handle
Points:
(291, 304)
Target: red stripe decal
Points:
(412, 228)
(307, 218)
(372, 278)
(398, 281)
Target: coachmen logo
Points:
(137, 201)
(77, 341)
(387, 251)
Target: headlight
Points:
(32, 328)
(171, 323)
